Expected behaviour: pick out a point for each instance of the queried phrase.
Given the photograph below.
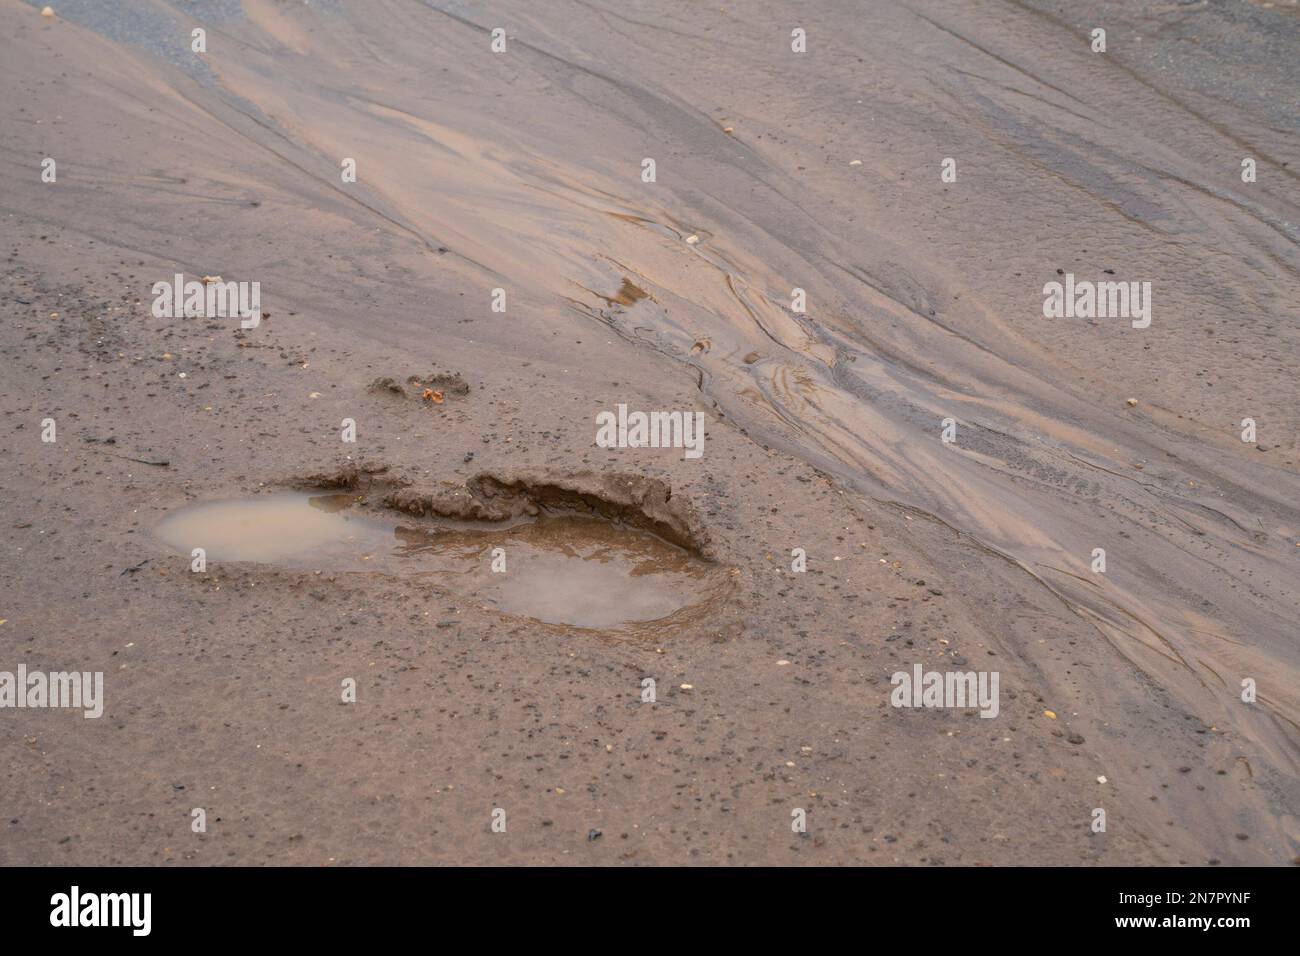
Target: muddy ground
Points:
(775, 170)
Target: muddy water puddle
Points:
(569, 570)
(290, 529)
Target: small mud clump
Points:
(443, 383)
(451, 383)
(386, 386)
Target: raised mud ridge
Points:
(636, 501)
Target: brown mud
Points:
(775, 171)
(582, 564)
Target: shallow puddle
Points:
(579, 571)
(582, 572)
(294, 529)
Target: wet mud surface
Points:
(776, 171)
(577, 571)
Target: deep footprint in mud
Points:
(563, 569)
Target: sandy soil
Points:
(775, 170)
